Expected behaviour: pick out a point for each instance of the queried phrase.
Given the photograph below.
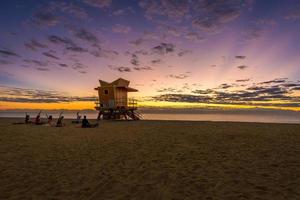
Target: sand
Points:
(150, 160)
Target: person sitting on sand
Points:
(50, 120)
(78, 118)
(86, 124)
(60, 122)
(38, 120)
(27, 118)
(99, 116)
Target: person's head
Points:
(84, 117)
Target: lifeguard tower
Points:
(113, 100)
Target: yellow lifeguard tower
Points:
(113, 100)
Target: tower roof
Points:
(119, 83)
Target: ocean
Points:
(265, 116)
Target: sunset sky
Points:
(177, 53)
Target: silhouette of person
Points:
(60, 122)
(85, 123)
(27, 118)
(38, 119)
(78, 118)
(50, 120)
(99, 116)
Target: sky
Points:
(231, 54)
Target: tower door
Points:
(111, 103)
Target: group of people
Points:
(59, 123)
(50, 122)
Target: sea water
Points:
(251, 116)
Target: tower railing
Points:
(129, 103)
(132, 103)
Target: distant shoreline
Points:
(164, 121)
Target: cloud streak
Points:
(242, 67)
(178, 76)
(98, 3)
(8, 53)
(50, 55)
(45, 18)
(268, 92)
(240, 57)
(24, 95)
(120, 68)
(87, 36)
(164, 48)
(34, 45)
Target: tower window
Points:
(105, 91)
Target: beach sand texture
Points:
(150, 160)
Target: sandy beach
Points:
(150, 160)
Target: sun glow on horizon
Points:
(142, 104)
